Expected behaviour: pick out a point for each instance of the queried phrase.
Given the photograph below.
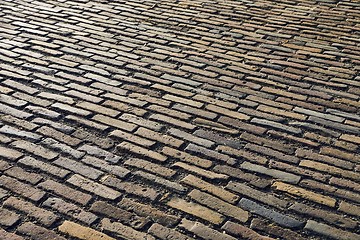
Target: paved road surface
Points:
(179, 119)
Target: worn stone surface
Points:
(179, 119)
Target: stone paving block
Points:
(76, 230)
(150, 212)
(43, 166)
(78, 167)
(196, 210)
(45, 217)
(258, 224)
(203, 231)
(166, 233)
(279, 218)
(132, 138)
(8, 218)
(284, 176)
(151, 167)
(98, 152)
(327, 216)
(10, 236)
(186, 157)
(65, 191)
(329, 231)
(242, 231)
(35, 149)
(9, 153)
(93, 187)
(250, 192)
(161, 181)
(38, 232)
(201, 172)
(14, 112)
(119, 214)
(219, 205)
(325, 200)
(208, 187)
(70, 209)
(131, 188)
(123, 230)
(125, 146)
(24, 175)
(22, 189)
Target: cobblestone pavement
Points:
(179, 119)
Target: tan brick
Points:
(50, 132)
(22, 174)
(93, 187)
(284, 93)
(9, 153)
(183, 100)
(151, 167)
(219, 205)
(123, 231)
(132, 138)
(281, 112)
(19, 122)
(140, 190)
(227, 112)
(243, 232)
(114, 122)
(186, 157)
(43, 166)
(8, 218)
(215, 101)
(165, 233)
(331, 190)
(141, 122)
(122, 107)
(172, 90)
(196, 210)
(71, 109)
(202, 231)
(125, 146)
(349, 208)
(300, 192)
(148, 98)
(81, 232)
(65, 192)
(37, 232)
(340, 154)
(159, 137)
(43, 216)
(330, 169)
(352, 147)
(7, 235)
(210, 188)
(172, 121)
(243, 154)
(35, 149)
(147, 211)
(200, 171)
(22, 189)
(329, 231)
(98, 109)
(70, 209)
